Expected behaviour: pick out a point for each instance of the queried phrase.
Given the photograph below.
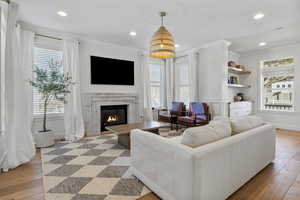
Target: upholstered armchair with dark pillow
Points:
(198, 115)
(178, 109)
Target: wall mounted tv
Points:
(109, 71)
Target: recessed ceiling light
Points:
(62, 13)
(258, 16)
(177, 45)
(278, 28)
(261, 44)
(132, 33)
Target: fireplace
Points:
(113, 115)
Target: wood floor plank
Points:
(294, 191)
(150, 196)
(280, 184)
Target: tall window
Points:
(182, 76)
(278, 85)
(42, 57)
(156, 68)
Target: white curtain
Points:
(74, 126)
(18, 113)
(192, 65)
(3, 23)
(170, 82)
(163, 90)
(145, 89)
(177, 79)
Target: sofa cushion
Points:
(245, 124)
(255, 121)
(215, 130)
(197, 136)
(222, 127)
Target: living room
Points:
(149, 100)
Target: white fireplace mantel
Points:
(92, 103)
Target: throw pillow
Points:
(222, 127)
(245, 124)
(197, 136)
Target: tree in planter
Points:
(52, 84)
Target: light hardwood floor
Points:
(279, 180)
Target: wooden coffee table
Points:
(123, 131)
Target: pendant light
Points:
(162, 43)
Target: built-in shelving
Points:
(238, 86)
(238, 70)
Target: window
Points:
(182, 76)
(42, 57)
(156, 68)
(277, 85)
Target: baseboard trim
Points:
(286, 126)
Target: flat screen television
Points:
(109, 71)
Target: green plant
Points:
(52, 84)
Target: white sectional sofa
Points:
(209, 172)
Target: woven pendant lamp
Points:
(162, 43)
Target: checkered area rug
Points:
(94, 168)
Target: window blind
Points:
(42, 57)
(182, 77)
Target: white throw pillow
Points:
(222, 127)
(197, 136)
(255, 121)
(245, 124)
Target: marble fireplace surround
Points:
(92, 103)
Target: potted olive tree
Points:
(52, 84)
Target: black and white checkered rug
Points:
(95, 168)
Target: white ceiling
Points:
(192, 22)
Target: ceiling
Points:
(192, 22)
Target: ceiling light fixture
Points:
(132, 33)
(261, 44)
(177, 45)
(258, 16)
(162, 43)
(62, 13)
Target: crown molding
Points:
(66, 35)
(213, 44)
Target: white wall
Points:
(89, 48)
(252, 61)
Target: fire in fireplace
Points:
(112, 118)
(113, 115)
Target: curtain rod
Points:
(51, 37)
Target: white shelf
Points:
(238, 86)
(238, 71)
